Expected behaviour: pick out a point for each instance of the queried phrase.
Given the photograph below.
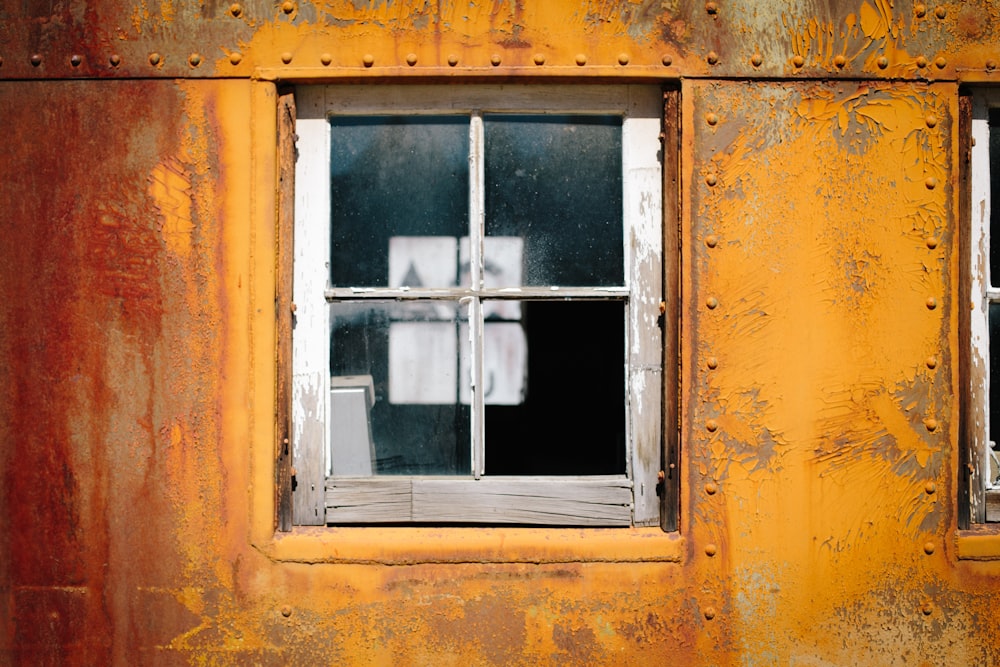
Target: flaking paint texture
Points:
(137, 352)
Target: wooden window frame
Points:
(979, 503)
(659, 475)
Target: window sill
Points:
(980, 543)
(407, 546)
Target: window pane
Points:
(409, 353)
(568, 418)
(994, 124)
(396, 176)
(556, 182)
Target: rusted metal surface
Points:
(819, 401)
(819, 38)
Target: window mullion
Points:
(477, 207)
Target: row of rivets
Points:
(115, 60)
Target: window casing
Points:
(983, 409)
(379, 314)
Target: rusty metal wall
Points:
(819, 398)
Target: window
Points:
(983, 411)
(477, 284)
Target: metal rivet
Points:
(667, 60)
(711, 488)
(623, 59)
(711, 179)
(927, 608)
(712, 363)
(411, 59)
(798, 61)
(495, 59)
(36, 60)
(931, 303)
(921, 62)
(286, 611)
(756, 59)
(712, 57)
(940, 12)
(235, 9)
(928, 548)
(839, 61)
(930, 424)
(235, 58)
(711, 118)
(931, 120)
(581, 59)
(712, 303)
(709, 613)
(194, 60)
(325, 59)
(286, 57)
(711, 8)
(932, 242)
(931, 182)
(710, 550)
(940, 63)
(115, 60)
(75, 60)
(931, 362)
(882, 62)
(991, 65)
(452, 60)
(368, 60)
(711, 240)
(930, 488)
(920, 10)
(288, 7)
(539, 58)
(154, 59)
(711, 426)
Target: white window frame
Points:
(984, 495)
(603, 500)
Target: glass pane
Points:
(558, 407)
(555, 182)
(994, 123)
(994, 434)
(397, 176)
(409, 355)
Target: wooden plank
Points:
(670, 488)
(573, 501)
(992, 503)
(282, 306)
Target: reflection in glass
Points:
(419, 424)
(556, 182)
(392, 176)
